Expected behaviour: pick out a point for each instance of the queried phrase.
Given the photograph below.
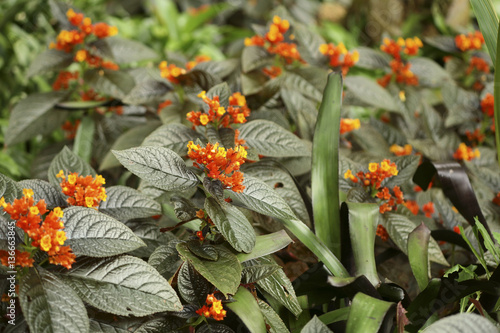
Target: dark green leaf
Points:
(224, 274)
(123, 50)
(84, 140)
(34, 116)
(255, 272)
(9, 189)
(159, 166)
(370, 92)
(199, 77)
(124, 203)
(146, 91)
(93, 234)
(49, 305)
(270, 139)
(429, 73)
(165, 259)
(131, 286)
(205, 251)
(50, 60)
(418, 244)
(232, 224)
(315, 326)
(254, 57)
(272, 318)
(368, 313)
(44, 191)
(109, 82)
(193, 287)
(173, 136)
(372, 59)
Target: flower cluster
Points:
(172, 72)
(212, 309)
(373, 179)
(274, 40)
(94, 61)
(236, 113)
(488, 105)
(339, 57)
(465, 152)
(63, 79)
(478, 64)
(220, 164)
(44, 233)
(471, 41)
(382, 233)
(348, 125)
(475, 137)
(82, 191)
(206, 221)
(401, 151)
(400, 69)
(496, 200)
(66, 40)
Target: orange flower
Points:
(401, 151)
(456, 229)
(163, 105)
(339, 57)
(348, 125)
(288, 51)
(488, 105)
(412, 206)
(464, 152)
(63, 79)
(70, 129)
(272, 71)
(171, 72)
(471, 41)
(382, 233)
(213, 308)
(411, 45)
(21, 259)
(196, 61)
(220, 164)
(400, 69)
(475, 136)
(377, 173)
(496, 200)
(43, 233)
(428, 209)
(478, 64)
(102, 30)
(392, 48)
(255, 40)
(82, 191)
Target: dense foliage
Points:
(246, 166)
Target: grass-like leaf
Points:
(367, 314)
(418, 244)
(247, 308)
(488, 23)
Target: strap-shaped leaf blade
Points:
(68, 161)
(125, 203)
(43, 190)
(232, 224)
(173, 136)
(130, 286)
(94, 234)
(367, 314)
(159, 166)
(49, 305)
(247, 308)
(266, 244)
(270, 139)
(224, 274)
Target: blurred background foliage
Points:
(27, 28)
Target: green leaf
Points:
(254, 57)
(272, 318)
(146, 91)
(308, 44)
(165, 259)
(49, 305)
(370, 92)
(68, 161)
(232, 224)
(270, 139)
(159, 166)
(496, 93)
(461, 323)
(399, 227)
(199, 77)
(5, 233)
(173, 136)
(129, 139)
(256, 272)
(123, 50)
(367, 314)
(315, 326)
(335, 315)
(132, 287)
(149, 231)
(109, 82)
(125, 203)
(222, 90)
(34, 116)
(43, 190)
(219, 69)
(259, 197)
(93, 234)
(136, 325)
(193, 287)
(407, 165)
(371, 140)
(9, 189)
(362, 225)
(302, 110)
(418, 243)
(429, 73)
(488, 23)
(372, 59)
(224, 274)
(50, 60)
(266, 244)
(280, 288)
(247, 308)
(84, 140)
(325, 166)
(298, 83)
(203, 250)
